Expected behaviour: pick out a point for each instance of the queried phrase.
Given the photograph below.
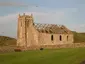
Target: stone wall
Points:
(32, 36)
(45, 39)
(21, 31)
(5, 49)
(74, 45)
(26, 33)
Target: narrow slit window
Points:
(52, 37)
(67, 38)
(60, 38)
(21, 24)
(33, 24)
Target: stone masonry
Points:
(36, 34)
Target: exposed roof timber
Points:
(52, 28)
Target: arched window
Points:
(52, 37)
(60, 38)
(67, 38)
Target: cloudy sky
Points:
(70, 13)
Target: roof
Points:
(51, 28)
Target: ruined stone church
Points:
(36, 34)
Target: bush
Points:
(41, 48)
(17, 50)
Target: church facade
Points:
(36, 34)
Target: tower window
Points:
(33, 24)
(21, 24)
(60, 38)
(52, 37)
(67, 38)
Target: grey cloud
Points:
(19, 4)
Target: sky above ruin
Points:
(70, 13)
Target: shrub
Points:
(41, 48)
(17, 50)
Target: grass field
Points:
(57, 56)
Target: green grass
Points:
(56, 56)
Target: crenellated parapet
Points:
(26, 16)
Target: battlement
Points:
(27, 16)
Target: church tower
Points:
(24, 22)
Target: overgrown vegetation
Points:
(4, 41)
(79, 37)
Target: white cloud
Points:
(79, 27)
(10, 3)
(8, 18)
(48, 17)
(8, 24)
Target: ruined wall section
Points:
(27, 34)
(21, 40)
(32, 33)
(45, 39)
